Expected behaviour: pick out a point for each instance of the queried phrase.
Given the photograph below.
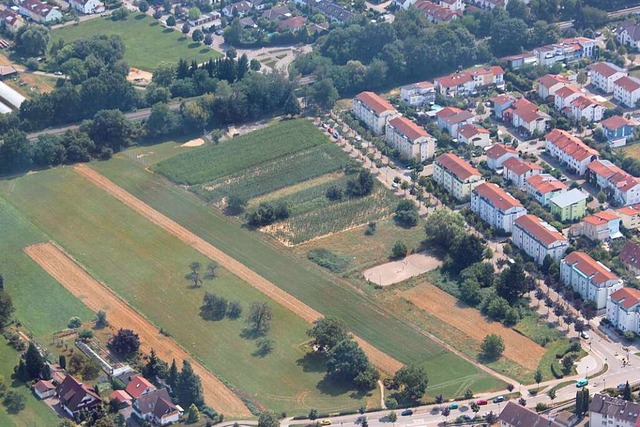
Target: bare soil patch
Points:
(98, 296)
(397, 271)
(518, 348)
(139, 77)
(378, 358)
(194, 143)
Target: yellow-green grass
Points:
(35, 412)
(301, 278)
(146, 42)
(146, 266)
(632, 150)
(150, 154)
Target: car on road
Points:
(498, 399)
(336, 135)
(584, 335)
(406, 412)
(583, 382)
(481, 402)
(325, 422)
(453, 406)
(57, 73)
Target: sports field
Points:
(146, 41)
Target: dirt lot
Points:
(378, 358)
(469, 320)
(97, 296)
(397, 271)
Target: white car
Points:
(584, 335)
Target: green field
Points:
(146, 266)
(146, 41)
(448, 374)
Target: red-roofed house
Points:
(10, 20)
(566, 50)
(75, 396)
(495, 206)
(538, 239)
(626, 90)
(617, 129)
(564, 96)
(373, 111)
(465, 82)
(544, 187)
(122, 397)
(570, 150)
(456, 176)
(436, 13)
(38, 11)
(517, 170)
(630, 216)
(157, 407)
(603, 74)
(452, 4)
(624, 187)
(411, 140)
(44, 389)
(452, 118)
(548, 85)
(418, 94)
(500, 104)
(599, 226)
(630, 257)
(497, 154)
(139, 386)
(294, 23)
(471, 134)
(526, 116)
(587, 108)
(590, 278)
(623, 309)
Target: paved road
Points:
(614, 14)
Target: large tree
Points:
(268, 419)
(492, 346)
(327, 333)
(259, 319)
(34, 361)
(32, 40)
(189, 387)
(508, 36)
(112, 129)
(512, 282)
(125, 342)
(348, 362)
(413, 380)
(406, 213)
(6, 308)
(444, 228)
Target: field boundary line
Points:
(380, 359)
(96, 295)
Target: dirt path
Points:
(378, 358)
(98, 296)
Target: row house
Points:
(604, 74)
(563, 97)
(514, 415)
(617, 129)
(624, 187)
(590, 278)
(548, 85)
(38, 11)
(475, 135)
(500, 104)
(544, 187)
(497, 154)
(411, 140)
(435, 13)
(467, 82)
(373, 111)
(88, 7)
(526, 116)
(538, 238)
(630, 216)
(570, 150)
(605, 411)
(587, 108)
(566, 50)
(517, 170)
(623, 311)
(418, 94)
(451, 119)
(495, 206)
(456, 176)
(626, 90)
(456, 5)
(629, 34)
(569, 206)
(600, 226)
(630, 257)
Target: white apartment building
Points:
(623, 309)
(495, 206)
(626, 90)
(538, 239)
(590, 278)
(570, 150)
(466, 82)
(603, 74)
(517, 171)
(544, 187)
(566, 50)
(606, 411)
(373, 111)
(548, 85)
(564, 96)
(587, 108)
(411, 140)
(629, 34)
(418, 94)
(456, 176)
(624, 187)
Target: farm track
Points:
(97, 296)
(380, 359)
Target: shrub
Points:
(399, 250)
(86, 334)
(14, 402)
(391, 403)
(556, 371)
(336, 263)
(334, 193)
(267, 213)
(371, 229)
(235, 310)
(74, 323)
(406, 213)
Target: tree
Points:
(508, 36)
(327, 333)
(195, 276)
(474, 406)
(154, 367)
(189, 387)
(235, 204)
(443, 228)
(212, 267)
(413, 380)
(157, 14)
(268, 419)
(324, 94)
(171, 21)
(313, 414)
(14, 402)
(511, 282)
(399, 250)
(517, 9)
(360, 186)
(393, 417)
(194, 116)
(208, 39)
(265, 346)
(537, 377)
(6, 308)
(582, 77)
(197, 36)
(468, 394)
(255, 65)
(348, 362)
(193, 415)
(101, 319)
(34, 361)
(259, 319)
(16, 152)
(1, 282)
(551, 393)
(213, 307)
(492, 346)
(406, 213)
(74, 323)
(194, 14)
(626, 392)
(125, 342)
(172, 378)
(32, 40)
(112, 129)
(291, 105)
(185, 28)
(143, 6)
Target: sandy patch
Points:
(193, 143)
(139, 77)
(397, 271)
(97, 296)
(469, 320)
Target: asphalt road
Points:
(614, 14)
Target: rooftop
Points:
(615, 122)
(615, 408)
(375, 102)
(590, 268)
(626, 297)
(551, 80)
(518, 415)
(497, 196)
(457, 166)
(630, 254)
(519, 166)
(498, 150)
(606, 69)
(539, 229)
(408, 128)
(629, 84)
(545, 183)
(570, 144)
(569, 198)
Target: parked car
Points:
(584, 335)
(325, 422)
(582, 382)
(498, 399)
(481, 402)
(406, 412)
(453, 406)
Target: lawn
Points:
(146, 41)
(146, 266)
(301, 278)
(631, 150)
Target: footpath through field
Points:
(380, 359)
(98, 296)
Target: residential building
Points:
(570, 150)
(241, 8)
(517, 170)
(566, 50)
(38, 11)
(456, 5)
(630, 216)
(623, 311)
(122, 397)
(411, 140)
(520, 60)
(500, 104)
(514, 415)
(495, 206)
(590, 278)
(75, 396)
(586, 108)
(548, 85)
(456, 176)
(88, 7)
(538, 239)
(624, 188)
(629, 34)
(475, 135)
(212, 18)
(373, 111)
(543, 187)
(10, 20)
(418, 94)
(564, 96)
(157, 407)
(435, 13)
(630, 257)
(332, 11)
(626, 90)
(605, 411)
(467, 82)
(569, 206)
(603, 74)
(497, 154)
(277, 13)
(617, 130)
(44, 389)
(139, 386)
(452, 118)
(292, 24)
(526, 117)
(600, 226)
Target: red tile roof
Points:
(629, 210)
(540, 230)
(121, 395)
(626, 297)
(457, 166)
(469, 130)
(408, 128)
(459, 118)
(551, 80)
(293, 23)
(566, 91)
(374, 102)
(44, 386)
(544, 184)
(590, 267)
(604, 69)
(435, 11)
(582, 102)
(519, 166)
(630, 254)
(454, 79)
(629, 84)
(448, 112)
(615, 122)
(138, 386)
(570, 144)
(498, 150)
(75, 395)
(501, 99)
(604, 168)
(600, 218)
(497, 196)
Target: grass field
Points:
(146, 41)
(632, 150)
(300, 278)
(146, 266)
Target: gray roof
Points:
(632, 29)
(569, 198)
(516, 415)
(616, 408)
